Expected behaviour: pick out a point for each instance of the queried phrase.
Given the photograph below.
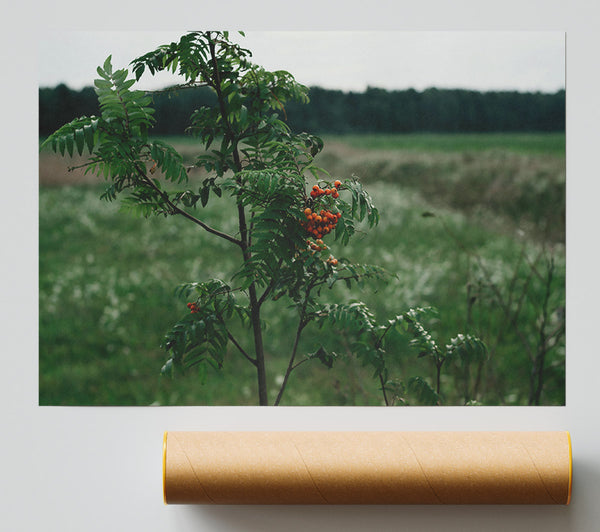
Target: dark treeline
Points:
(329, 111)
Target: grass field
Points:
(527, 143)
(107, 279)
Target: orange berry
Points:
(335, 194)
(327, 191)
(337, 183)
(315, 187)
(307, 211)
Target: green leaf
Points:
(396, 388)
(88, 134)
(424, 393)
(327, 359)
(128, 84)
(466, 349)
(168, 368)
(204, 192)
(107, 67)
(79, 140)
(69, 142)
(103, 74)
(61, 145)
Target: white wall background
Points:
(98, 469)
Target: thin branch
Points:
(270, 287)
(234, 341)
(378, 343)
(290, 367)
(240, 348)
(186, 214)
(301, 362)
(84, 165)
(380, 340)
(301, 324)
(385, 397)
(205, 226)
(174, 207)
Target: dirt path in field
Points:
(54, 171)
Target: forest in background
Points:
(335, 112)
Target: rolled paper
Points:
(367, 467)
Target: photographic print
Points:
(302, 218)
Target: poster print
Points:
(298, 218)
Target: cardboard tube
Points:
(367, 467)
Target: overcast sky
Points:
(492, 60)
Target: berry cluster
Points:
(321, 223)
(318, 223)
(318, 245)
(193, 308)
(317, 191)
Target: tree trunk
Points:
(258, 347)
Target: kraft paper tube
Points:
(367, 467)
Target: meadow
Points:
(473, 225)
